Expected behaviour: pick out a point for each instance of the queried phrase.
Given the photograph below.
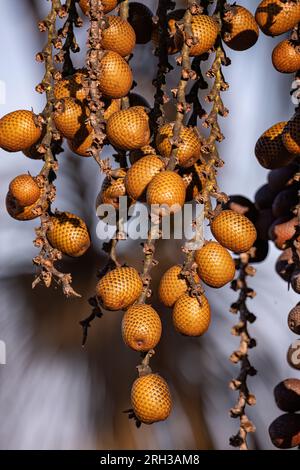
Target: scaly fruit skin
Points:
(112, 189)
(286, 56)
(24, 213)
(18, 131)
(129, 129)
(71, 120)
(215, 265)
(206, 30)
(291, 135)
(119, 288)
(140, 18)
(115, 75)
(240, 30)
(276, 17)
(112, 107)
(25, 190)
(140, 174)
(172, 285)
(234, 231)
(189, 317)
(119, 36)
(167, 188)
(284, 431)
(141, 327)
(151, 399)
(108, 5)
(269, 149)
(69, 234)
(189, 149)
(82, 142)
(71, 87)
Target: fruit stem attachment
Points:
(144, 368)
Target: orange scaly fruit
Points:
(141, 327)
(269, 149)
(71, 119)
(119, 36)
(18, 131)
(166, 189)
(140, 174)
(108, 5)
(24, 213)
(119, 288)
(291, 135)
(240, 30)
(276, 17)
(189, 317)
(25, 190)
(128, 129)
(172, 285)
(82, 142)
(234, 231)
(71, 87)
(115, 76)
(112, 189)
(151, 399)
(286, 56)
(112, 107)
(215, 264)
(69, 234)
(206, 30)
(189, 149)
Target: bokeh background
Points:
(56, 395)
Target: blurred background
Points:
(56, 395)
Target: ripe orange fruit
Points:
(215, 265)
(25, 190)
(141, 327)
(172, 285)
(234, 231)
(206, 30)
(71, 120)
(112, 189)
(70, 87)
(140, 18)
(119, 288)
(189, 317)
(286, 56)
(82, 142)
(24, 213)
(151, 399)
(18, 131)
(276, 17)
(69, 234)
(269, 149)
(108, 5)
(240, 30)
(119, 36)
(112, 107)
(140, 174)
(282, 230)
(291, 135)
(166, 189)
(189, 149)
(128, 129)
(115, 76)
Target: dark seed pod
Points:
(295, 281)
(261, 251)
(287, 395)
(284, 202)
(293, 355)
(140, 18)
(264, 197)
(294, 319)
(283, 267)
(285, 431)
(263, 222)
(279, 178)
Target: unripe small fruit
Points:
(172, 285)
(71, 87)
(240, 30)
(119, 36)
(189, 317)
(206, 30)
(69, 234)
(151, 399)
(140, 174)
(282, 230)
(108, 5)
(166, 189)
(287, 395)
(18, 131)
(24, 213)
(129, 129)
(269, 149)
(286, 56)
(112, 189)
(25, 190)
(141, 327)
(276, 17)
(234, 231)
(189, 148)
(119, 288)
(285, 431)
(71, 119)
(294, 319)
(115, 76)
(291, 135)
(215, 264)
(140, 18)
